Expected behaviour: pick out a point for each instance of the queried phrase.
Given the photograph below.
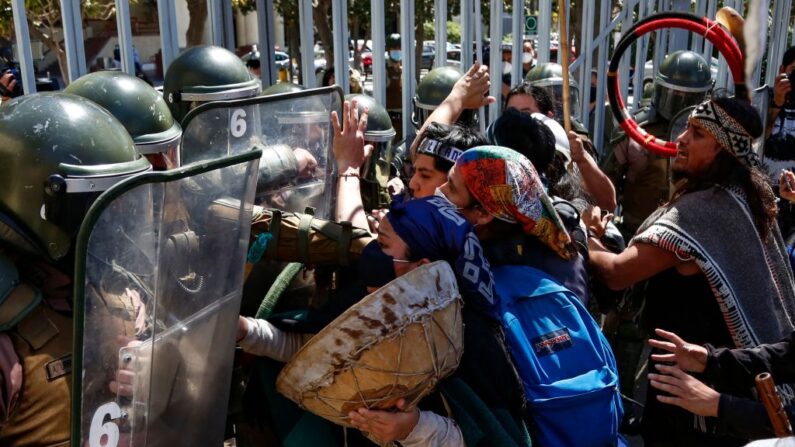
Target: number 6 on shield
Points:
(237, 124)
(101, 429)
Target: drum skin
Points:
(397, 342)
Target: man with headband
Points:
(414, 233)
(712, 259)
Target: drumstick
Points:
(775, 409)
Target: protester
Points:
(412, 234)
(725, 370)
(705, 282)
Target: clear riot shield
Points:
(295, 133)
(158, 283)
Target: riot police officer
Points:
(140, 109)
(380, 167)
(683, 80)
(432, 89)
(70, 150)
(394, 84)
(203, 74)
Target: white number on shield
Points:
(105, 434)
(238, 123)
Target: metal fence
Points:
(601, 28)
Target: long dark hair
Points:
(728, 171)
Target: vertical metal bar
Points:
(679, 38)
(466, 34)
(339, 20)
(169, 42)
(757, 73)
(407, 48)
(379, 42)
(440, 31)
(73, 39)
(216, 22)
(586, 54)
(25, 55)
(712, 10)
(544, 29)
(599, 121)
(698, 40)
(517, 29)
(627, 12)
(125, 36)
(778, 40)
(478, 16)
(495, 29)
(641, 48)
(228, 26)
(265, 13)
(306, 24)
(661, 38)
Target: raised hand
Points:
(686, 356)
(350, 152)
(472, 89)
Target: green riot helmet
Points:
(282, 87)
(58, 152)
(550, 77)
(377, 170)
(203, 74)
(683, 80)
(431, 91)
(140, 109)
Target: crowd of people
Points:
(571, 264)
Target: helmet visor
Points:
(668, 102)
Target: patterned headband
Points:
(730, 134)
(429, 146)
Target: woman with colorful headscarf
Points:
(499, 191)
(554, 341)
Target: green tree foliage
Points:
(44, 22)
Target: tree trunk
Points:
(197, 11)
(419, 32)
(357, 51)
(575, 31)
(295, 48)
(52, 45)
(322, 15)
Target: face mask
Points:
(527, 58)
(438, 193)
(395, 55)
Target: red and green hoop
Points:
(711, 31)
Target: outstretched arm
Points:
(469, 92)
(636, 263)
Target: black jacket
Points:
(730, 369)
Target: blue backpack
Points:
(566, 364)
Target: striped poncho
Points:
(750, 277)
